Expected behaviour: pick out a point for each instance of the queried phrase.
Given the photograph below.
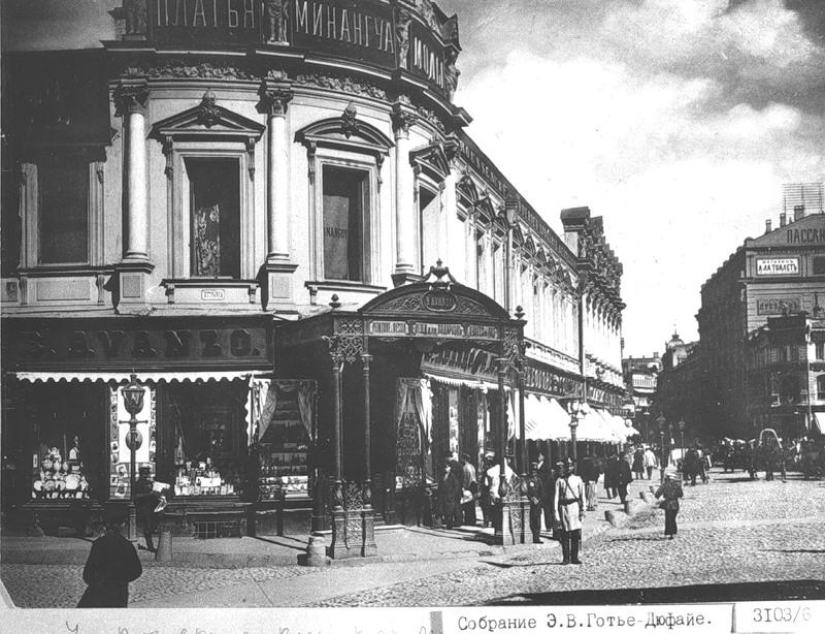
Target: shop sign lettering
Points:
(337, 27)
(811, 235)
(778, 305)
(178, 344)
(447, 331)
(475, 362)
(205, 20)
(476, 331)
(383, 327)
(213, 294)
(777, 266)
(439, 301)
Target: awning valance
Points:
(142, 376)
(471, 383)
(545, 419)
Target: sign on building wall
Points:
(778, 305)
(777, 266)
(204, 21)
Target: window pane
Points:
(429, 227)
(344, 212)
(216, 235)
(63, 213)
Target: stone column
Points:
(275, 98)
(131, 98)
(405, 214)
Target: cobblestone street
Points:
(731, 531)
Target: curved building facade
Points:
(271, 214)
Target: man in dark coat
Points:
(625, 477)
(113, 562)
(448, 498)
(534, 492)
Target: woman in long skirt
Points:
(671, 491)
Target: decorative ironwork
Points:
(514, 347)
(347, 344)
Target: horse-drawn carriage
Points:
(812, 459)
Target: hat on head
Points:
(670, 473)
(145, 471)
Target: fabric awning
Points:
(818, 423)
(593, 428)
(474, 383)
(142, 376)
(544, 419)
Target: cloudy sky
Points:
(678, 121)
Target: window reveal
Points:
(345, 212)
(63, 227)
(215, 217)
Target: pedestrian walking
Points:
(569, 512)
(651, 462)
(590, 475)
(534, 495)
(469, 491)
(639, 463)
(548, 477)
(113, 562)
(671, 491)
(494, 481)
(611, 477)
(449, 492)
(624, 478)
(485, 500)
(149, 504)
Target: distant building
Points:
(641, 375)
(787, 375)
(780, 273)
(682, 393)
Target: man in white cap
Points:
(569, 512)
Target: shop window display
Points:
(62, 462)
(285, 428)
(208, 452)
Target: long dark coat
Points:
(113, 562)
(449, 498)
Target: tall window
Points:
(216, 227)
(346, 212)
(481, 262)
(819, 350)
(429, 228)
(63, 212)
(820, 387)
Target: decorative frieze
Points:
(342, 84)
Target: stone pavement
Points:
(45, 572)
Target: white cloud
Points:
(680, 169)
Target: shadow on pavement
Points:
(807, 589)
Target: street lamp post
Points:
(682, 432)
(578, 410)
(662, 422)
(133, 401)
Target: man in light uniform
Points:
(569, 512)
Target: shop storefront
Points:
(389, 409)
(64, 382)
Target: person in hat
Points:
(671, 491)
(535, 494)
(149, 504)
(113, 562)
(569, 512)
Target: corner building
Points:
(247, 205)
(754, 382)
